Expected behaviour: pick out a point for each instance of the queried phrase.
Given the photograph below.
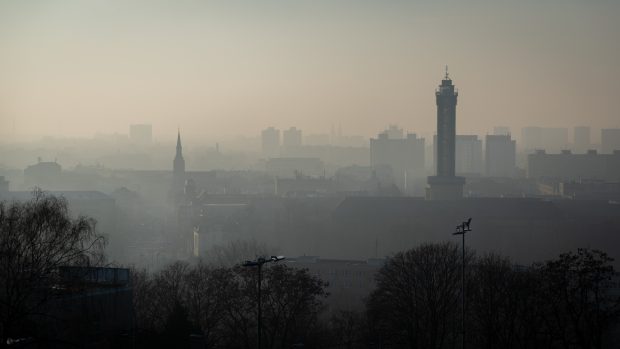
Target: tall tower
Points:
(178, 164)
(445, 185)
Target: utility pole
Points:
(259, 264)
(462, 229)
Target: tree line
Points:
(572, 301)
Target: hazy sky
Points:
(221, 68)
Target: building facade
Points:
(500, 156)
(404, 155)
(574, 167)
(468, 155)
(291, 138)
(270, 138)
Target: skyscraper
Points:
(445, 185)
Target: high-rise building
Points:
(178, 166)
(445, 185)
(141, 134)
(271, 142)
(405, 156)
(468, 155)
(581, 139)
(500, 156)
(291, 137)
(610, 140)
(551, 139)
(395, 132)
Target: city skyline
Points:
(302, 173)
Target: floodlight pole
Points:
(462, 229)
(259, 264)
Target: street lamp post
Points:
(259, 264)
(462, 229)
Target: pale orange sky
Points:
(232, 67)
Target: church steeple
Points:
(179, 163)
(179, 146)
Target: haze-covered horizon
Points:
(224, 69)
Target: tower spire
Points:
(179, 162)
(447, 75)
(179, 146)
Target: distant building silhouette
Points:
(270, 138)
(610, 140)
(46, 174)
(581, 139)
(574, 167)
(445, 185)
(500, 156)
(395, 132)
(551, 139)
(291, 138)
(468, 156)
(404, 155)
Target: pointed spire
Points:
(179, 162)
(178, 139)
(447, 75)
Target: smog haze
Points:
(220, 69)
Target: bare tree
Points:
(347, 329)
(220, 304)
(37, 237)
(494, 298)
(580, 307)
(292, 301)
(206, 296)
(416, 302)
